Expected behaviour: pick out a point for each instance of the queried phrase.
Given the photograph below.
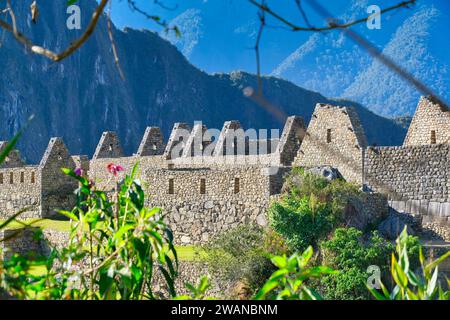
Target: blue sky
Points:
(218, 36)
(229, 26)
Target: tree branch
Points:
(46, 52)
(294, 27)
(113, 43)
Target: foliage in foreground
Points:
(291, 279)
(241, 256)
(122, 252)
(289, 282)
(410, 285)
(350, 255)
(310, 209)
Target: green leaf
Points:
(279, 261)
(432, 284)
(191, 288)
(312, 294)
(69, 215)
(436, 262)
(204, 284)
(306, 256)
(267, 288)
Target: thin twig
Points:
(295, 27)
(262, 19)
(377, 54)
(302, 12)
(113, 44)
(49, 53)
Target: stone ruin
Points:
(207, 186)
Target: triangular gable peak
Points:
(57, 189)
(430, 124)
(335, 138)
(177, 140)
(56, 155)
(228, 132)
(197, 141)
(13, 159)
(108, 146)
(152, 143)
(291, 139)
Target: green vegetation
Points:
(123, 242)
(410, 285)
(185, 253)
(351, 255)
(310, 208)
(57, 225)
(121, 253)
(289, 281)
(301, 221)
(241, 255)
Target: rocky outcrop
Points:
(326, 172)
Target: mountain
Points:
(336, 66)
(384, 91)
(83, 96)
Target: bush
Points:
(301, 221)
(240, 255)
(290, 281)
(410, 285)
(337, 193)
(349, 254)
(311, 207)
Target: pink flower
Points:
(114, 168)
(79, 172)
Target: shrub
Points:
(311, 207)
(301, 221)
(349, 254)
(290, 281)
(239, 255)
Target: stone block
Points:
(445, 209)
(434, 209)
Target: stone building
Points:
(209, 183)
(37, 190)
(334, 138)
(430, 124)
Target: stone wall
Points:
(205, 195)
(434, 216)
(200, 203)
(20, 241)
(431, 122)
(20, 189)
(57, 189)
(152, 143)
(410, 173)
(13, 159)
(335, 138)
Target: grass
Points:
(185, 254)
(189, 253)
(57, 225)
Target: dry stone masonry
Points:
(430, 125)
(335, 138)
(206, 194)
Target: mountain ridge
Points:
(82, 96)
